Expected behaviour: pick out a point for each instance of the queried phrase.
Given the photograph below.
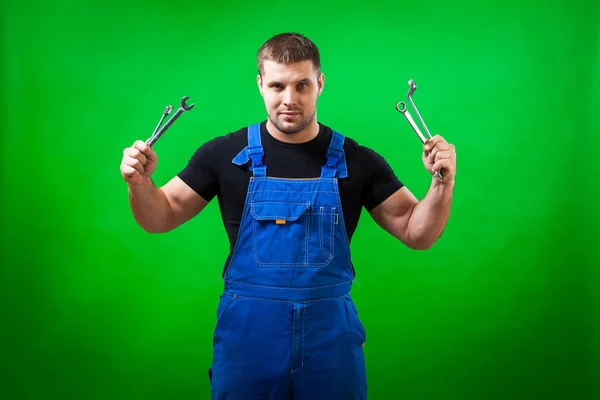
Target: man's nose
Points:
(289, 97)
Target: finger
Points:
(441, 154)
(129, 172)
(134, 163)
(131, 152)
(430, 148)
(445, 163)
(135, 153)
(431, 143)
(145, 149)
(440, 147)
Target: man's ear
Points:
(259, 83)
(321, 83)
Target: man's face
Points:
(290, 93)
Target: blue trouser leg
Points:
(333, 365)
(252, 353)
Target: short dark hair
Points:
(289, 48)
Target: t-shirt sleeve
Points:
(380, 180)
(200, 171)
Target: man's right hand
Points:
(138, 163)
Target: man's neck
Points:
(305, 135)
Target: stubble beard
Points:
(286, 128)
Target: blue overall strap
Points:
(254, 151)
(336, 158)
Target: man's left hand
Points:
(439, 155)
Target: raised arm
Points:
(156, 210)
(419, 224)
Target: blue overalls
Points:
(286, 325)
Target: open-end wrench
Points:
(182, 108)
(401, 107)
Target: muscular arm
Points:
(159, 210)
(417, 224)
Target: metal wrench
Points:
(167, 111)
(401, 107)
(182, 108)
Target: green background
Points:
(505, 306)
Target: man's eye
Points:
(302, 85)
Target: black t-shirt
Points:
(210, 172)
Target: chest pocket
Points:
(293, 234)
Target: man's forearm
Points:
(150, 207)
(429, 217)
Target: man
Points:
(290, 192)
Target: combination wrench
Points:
(401, 107)
(159, 132)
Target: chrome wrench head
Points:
(411, 88)
(184, 106)
(401, 107)
(168, 110)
